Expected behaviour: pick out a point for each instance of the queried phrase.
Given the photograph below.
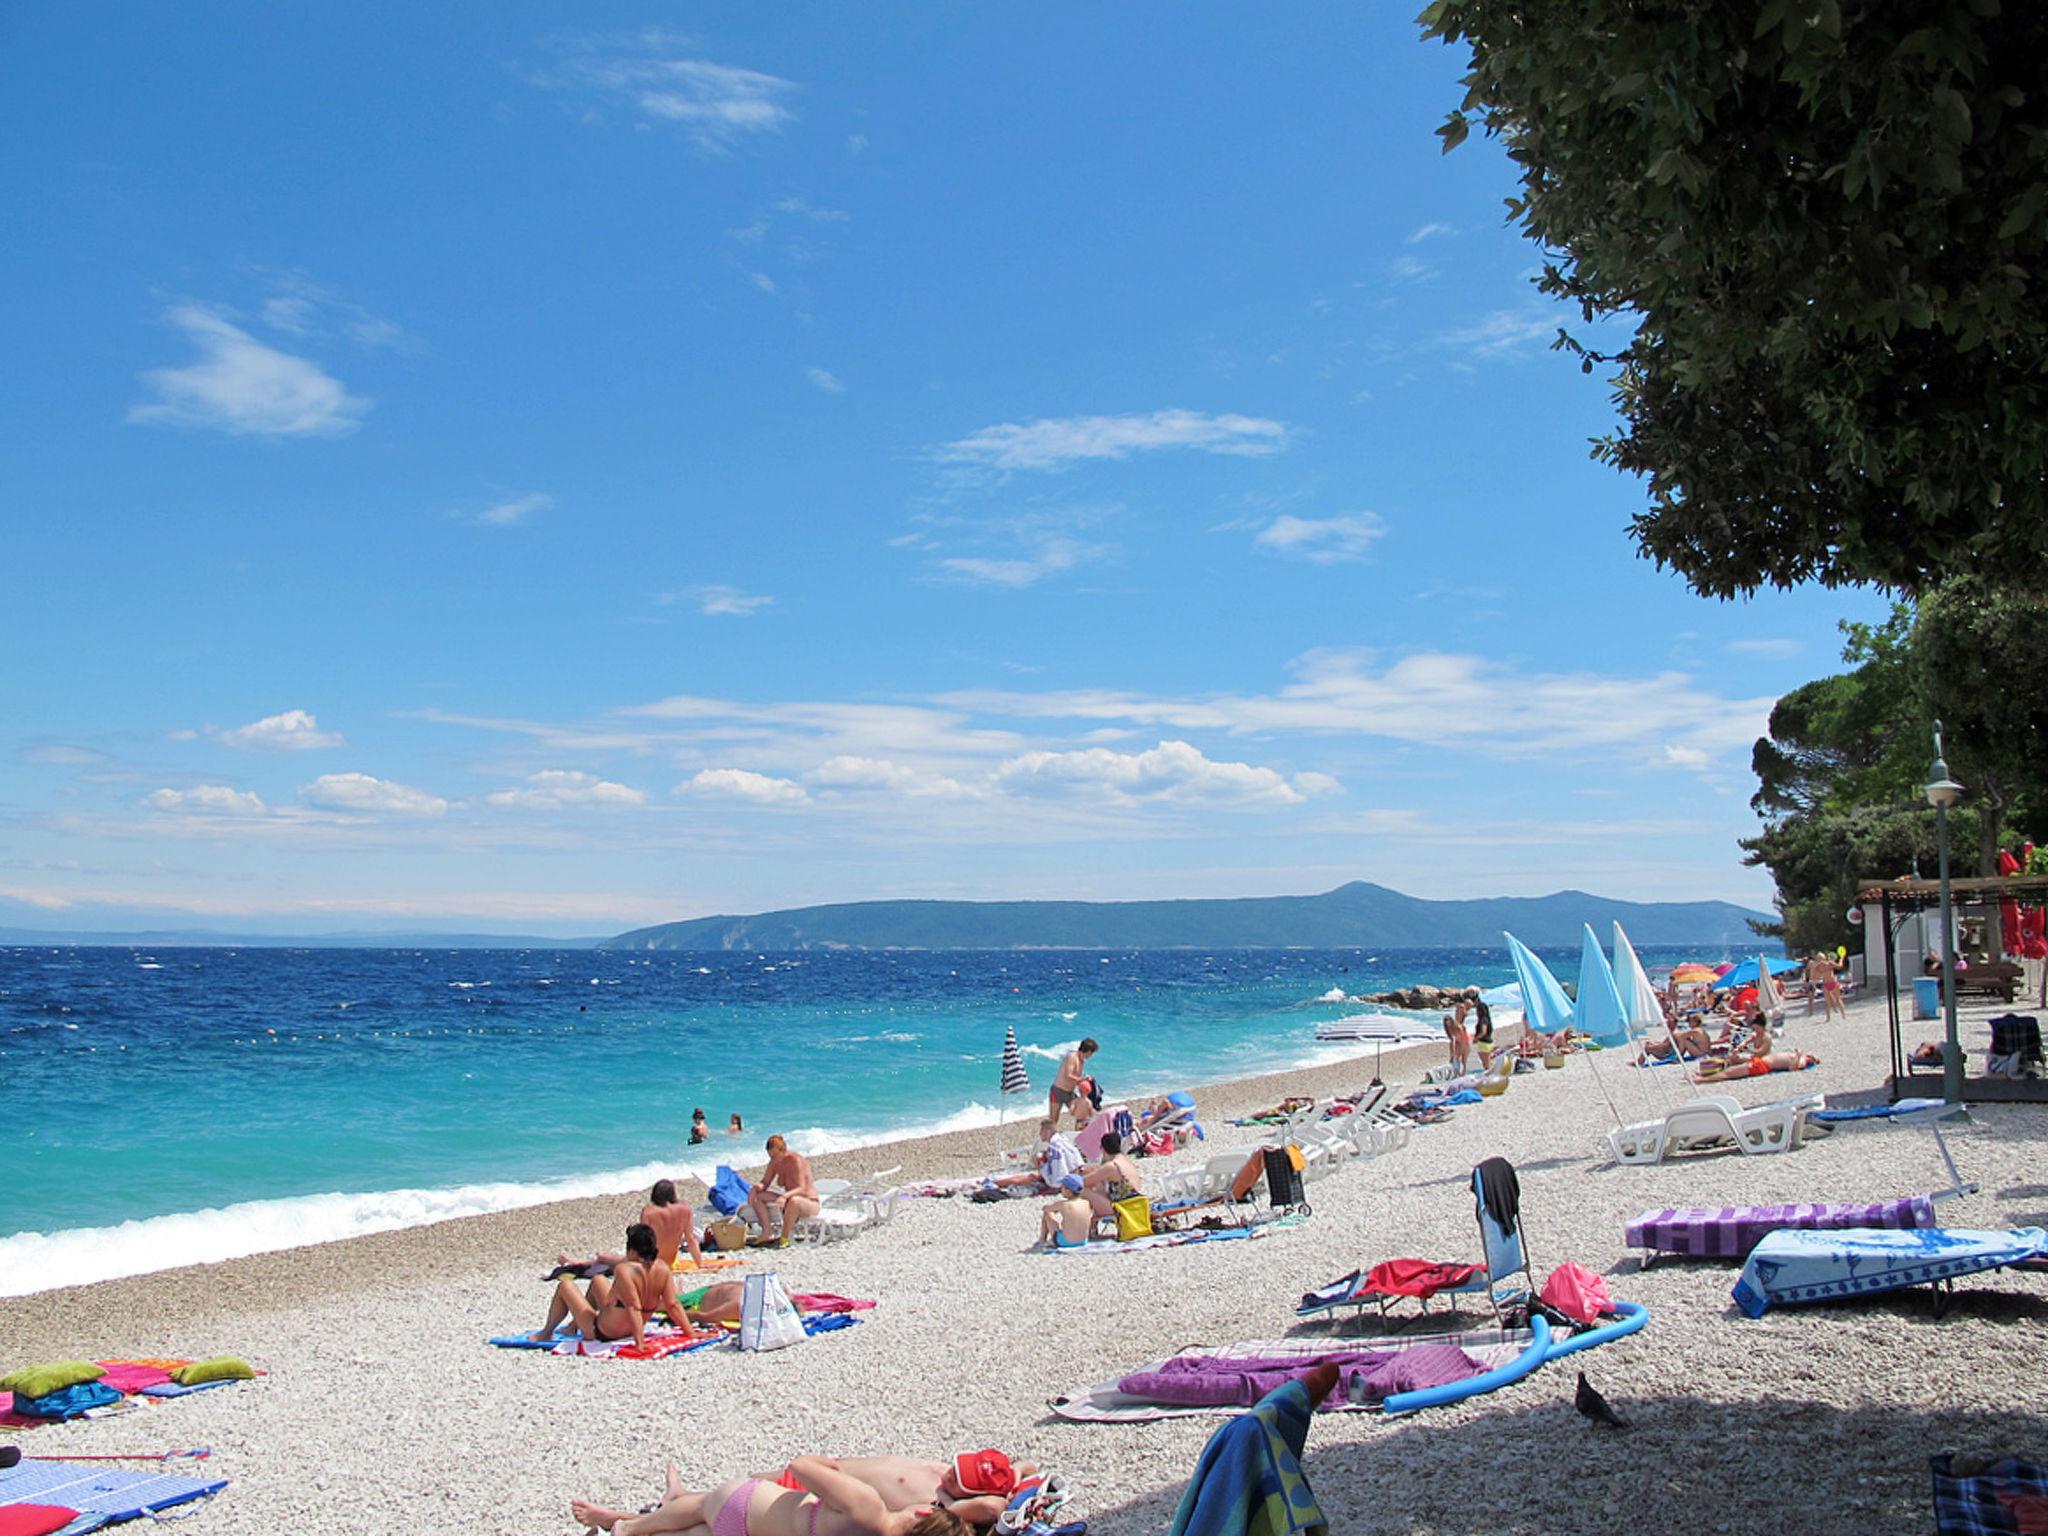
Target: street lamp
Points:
(1943, 792)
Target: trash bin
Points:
(1926, 996)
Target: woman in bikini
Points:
(1756, 1066)
(618, 1305)
(828, 1503)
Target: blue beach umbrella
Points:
(1545, 1008)
(1744, 975)
(1599, 1012)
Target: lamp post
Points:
(1943, 792)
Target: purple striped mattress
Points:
(1730, 1231)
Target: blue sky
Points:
(463, 470)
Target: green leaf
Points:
(1454, 131)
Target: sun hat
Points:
(984, 1472)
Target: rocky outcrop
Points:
(1423, 999)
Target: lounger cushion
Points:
(1731, 1231)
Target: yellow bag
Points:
(1133, 1218)
(728, 1235)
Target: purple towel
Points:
(1731, 1231)
(1204, 1381)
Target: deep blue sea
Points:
(206, 1103)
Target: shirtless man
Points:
(974, 1487)
(786, 1188)
(619, 1304)
(674, 1223)
(1737, 1067)
(1066, 1083)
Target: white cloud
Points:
(1685, 757)
(1430, 232)
(825, 381)
(1323, 541)
(293, 731)
(557, 788)
(796, 207)
(299, 306)
(358, 794)
(743, 784)
(718, 601)
(1767, 650)
(856, 143)
(1410, 269)
(206, 800)
(239, 385)
(511, 513)
(873, 773)
(1043, 557)
(1173, 771)
(762, 281)
(1054, 443)
(1504, 333)
(716, 104)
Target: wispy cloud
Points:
(1768, 650)
(719, 602)
(358, 794)
(1055, 443)
(1045, 556)
(1410, 269)
(1173, 772)
(825, 381)
(1431, 231)
(716, 105)
(1323, 540)
(295, 730)
(237, 384)
(511, 512)
(554, 789)
(1503, 333)
(302, 307)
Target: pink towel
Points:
(824, 1301)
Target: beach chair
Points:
(1178, 1122)
(1504, 1276)
(1713, 1120)
(1325, 1148)
(1379, 1127)
(1223, 1184)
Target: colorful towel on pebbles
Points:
(100, 1496)
(1803, 1267)
(2000, 1497)
(1731, 1231)
(1182, 1239)
(661, 1343)
(129, 1378)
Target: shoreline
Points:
(287, 1276)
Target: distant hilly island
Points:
(1354, 915)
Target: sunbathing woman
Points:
(1755, 1066)
(617, 1306)
(828, 1503)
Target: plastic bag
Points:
(768, 1318)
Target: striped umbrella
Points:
(1014, 1078)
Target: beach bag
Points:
(1133, 1217)
(1578, 1293)
(768, 1318)
(728, 1234)
(729, 1191)
(1283, 1176)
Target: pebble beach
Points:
(382, 1407)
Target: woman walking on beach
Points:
(824, 1502)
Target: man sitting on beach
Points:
(617, 1305)
(1755, 1066)
(785, 1189)
(674, 1224)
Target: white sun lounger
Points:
(1756, 1130)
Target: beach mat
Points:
(1108, 1403)
(100, 1496)
(662, 1342)
(1183, 1239)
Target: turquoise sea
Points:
(176, 1105)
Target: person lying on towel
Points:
(1091, 1196)
(824, 1502)
(1755, 1066)
(974, 1486)
(618, 1305)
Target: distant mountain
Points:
(37, 938)
(1352, 915)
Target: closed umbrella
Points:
(1015, 1079)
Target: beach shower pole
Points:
(1943, 792)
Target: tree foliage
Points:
(1840, 776)
(1828, 219)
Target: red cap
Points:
(985, 1472)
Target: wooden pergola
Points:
(1896, 900)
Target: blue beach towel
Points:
(1802, 1267)
(1249, 1480)
(729, 1191)
(100, 1496)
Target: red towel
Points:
(34, 1519)
(1417, 1277)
